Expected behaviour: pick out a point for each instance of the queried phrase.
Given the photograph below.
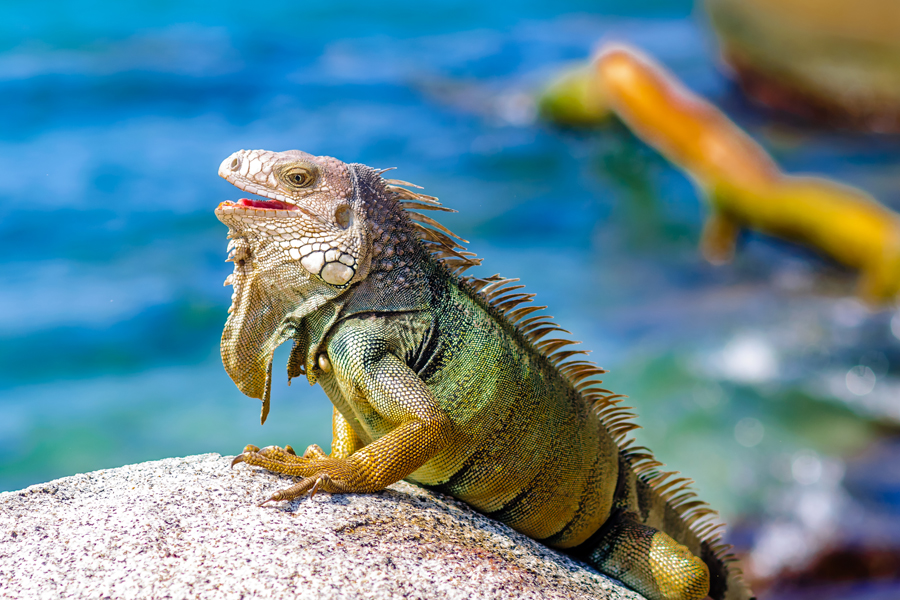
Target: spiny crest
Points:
(504, 297)
(443, 244)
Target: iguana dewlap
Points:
(445, 381)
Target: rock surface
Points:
(190, 528)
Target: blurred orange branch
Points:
(744, 186)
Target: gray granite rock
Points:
(190, 528)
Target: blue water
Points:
(115, 119)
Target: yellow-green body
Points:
(495, 460)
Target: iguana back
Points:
(447, 381)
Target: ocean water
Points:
(753, 378)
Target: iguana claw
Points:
(273, 498)
(315, 487)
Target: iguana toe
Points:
(314, 451)
(248, 449)
(288, 455)
(312, 485)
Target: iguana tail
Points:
(660, 539)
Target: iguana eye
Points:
(299, 175)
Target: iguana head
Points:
(294, 249)
(306, 210)
(320, 228)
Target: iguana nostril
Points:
(235, 163)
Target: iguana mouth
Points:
(264, 204)
(261, 203)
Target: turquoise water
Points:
(114, 122)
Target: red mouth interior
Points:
(267, 204)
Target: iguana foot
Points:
(319, 471)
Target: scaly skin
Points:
(441, 380)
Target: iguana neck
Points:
(402, 275)
(400, 270)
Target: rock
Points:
(190, 528)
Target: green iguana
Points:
(447, 381)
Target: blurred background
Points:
(766, 380)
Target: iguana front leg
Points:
(344, 440)
(398, 399)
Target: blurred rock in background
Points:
(833, 61)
